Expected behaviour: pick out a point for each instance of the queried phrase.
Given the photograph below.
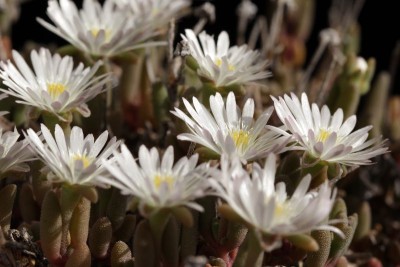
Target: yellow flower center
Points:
(155, 11)
(86, 161)
(95, 32)
(218, 62)
(240, 137)
(280, 210)
(323, 135)
(159, 179)
(55, 90)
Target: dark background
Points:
(380, 21)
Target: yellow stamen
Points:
(280, 210)
(155, 11)
(218, 62)
(159, 179)
(55, 89)
(240, 137)
(96, 31)
(323, 135)
(86, 161)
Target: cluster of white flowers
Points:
(235, 134)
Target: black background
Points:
(380, 21)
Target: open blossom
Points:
(98, 30)
(224, 65)
(159, 183)
(266, 206)
(326, 136)
(14, 154)
(230, 131)
(53, 85)
(75, 160)
(155, 12)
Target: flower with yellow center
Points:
(160, 179)
(224, 65)
(266, 206)
(98, 32)
(102, 30)
(53, 85)
(55, 90)
(158, 183)
(324, 136)
(219, 62)
(241, 138)
(228, 130)
(73, 159)
(84, 160)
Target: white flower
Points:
(327, 137)
(224, 65)
(159, 184)
(230, 131)
(53, 85)
(155, 12)
(75, 159)
(13, 153)
(266, 206)
(99, 30)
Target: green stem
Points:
(109, 94)
(51, 120)
(158, 221)
(68, 201)
(207, 90)
(255, 253)
(189, 236)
